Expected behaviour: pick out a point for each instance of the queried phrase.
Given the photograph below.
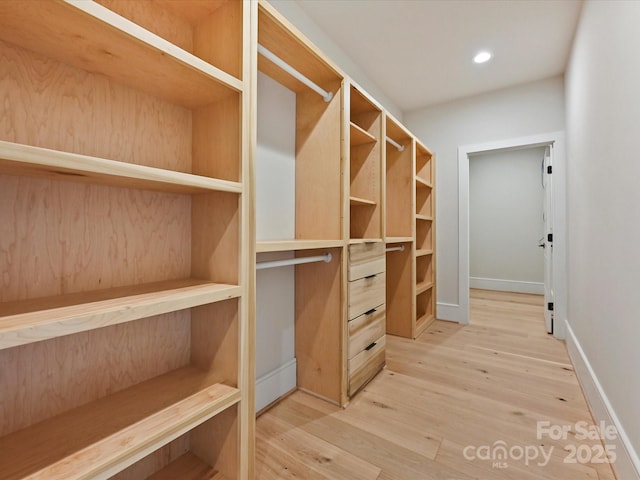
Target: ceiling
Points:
(419, 52)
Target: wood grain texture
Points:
(216, 442)
(400, 298)
(156, 461)
(31, 321)
(423, 164)
(318, 167)
(60, 237)
(366, 259)
(365, 329)
(452, 387)
(424, 269)
(366, 293)
(425, 311)
(359, 136)
(319, 340)
(288, 245)
(92, 115)
(74, 370)
(106, 436)
(366, 364)
(424, 203)
(92, 38)
(424, 234)
(399, 184)
(187, 467)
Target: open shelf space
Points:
(359, 136)
(290, 245)
(400, 298)
(187, 467)
(424, 235)
(423, 287)
(68, 31)
(424, 203)
(39, 319)
(422, 183)
(399, 182)
(424, 310)
(424, 167)
(424, 269)
(18, 159)
(110, 434)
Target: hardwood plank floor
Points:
(452, 390)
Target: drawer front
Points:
(366, 259)
(365, 365)
(366, 293)
(365, 329)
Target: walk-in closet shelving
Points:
(123, 214)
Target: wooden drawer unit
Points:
(365, 330)
(366, 364)
(366, 259)
(366, 293)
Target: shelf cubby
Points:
(423, 165)
(399, 292)
(424, 205)
(424, 270)
(365, 167)
(424, 234)
(399, 181)
(424, 311)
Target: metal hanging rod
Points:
(327, 96)
(293, 261)
(395, 249)
(396, 144)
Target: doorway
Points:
(556, 304)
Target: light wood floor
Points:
(451, 388)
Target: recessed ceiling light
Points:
(482, 57)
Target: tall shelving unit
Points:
(319, 167)
(400, 228)
(125, 344)
(425, 238)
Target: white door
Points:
(547, 242)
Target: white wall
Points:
(275, 219)
(520, 111)
(303, 22)
(506, 220)
(603, 126)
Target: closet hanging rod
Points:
(395, 249)
(327, 96)
(293, 261)
(396, 144)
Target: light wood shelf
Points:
(19, 159)
(422, 183)
(421, 253)
(187, 467)
(292, 245)
(35, 320)
(426, 218)
(110, 434)
(359, 136)
(398, 239)
(423, 287)
(357, 241)
(359, 202)
(423, 322)
(68, 30)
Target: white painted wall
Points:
(275, 219)
(520, 111)
(302, 21)
(506, 220)
(603, 112)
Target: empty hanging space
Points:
(399, 293)
(120, 186)
(399, 181)
(365, 164)
(298, 162)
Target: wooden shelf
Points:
(34, 320)
(106, 436)
(357, 241)
(88, 36)
(427, 218)
(359, 136)
(289, 245)
(398, 239)
(423, 322)
(187, 467)
(423, 287)
(422, 183)
(18, 159)
(421, 253)
(361, 202)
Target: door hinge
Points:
(550, 306)
(550, 237)
(549, 169)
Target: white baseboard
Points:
(627, 464)
(448, 311)
(275, 384)
(506, 285)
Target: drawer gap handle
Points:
(370, 276)
(370, 346)
(369, 312)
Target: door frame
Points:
(557, 139)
